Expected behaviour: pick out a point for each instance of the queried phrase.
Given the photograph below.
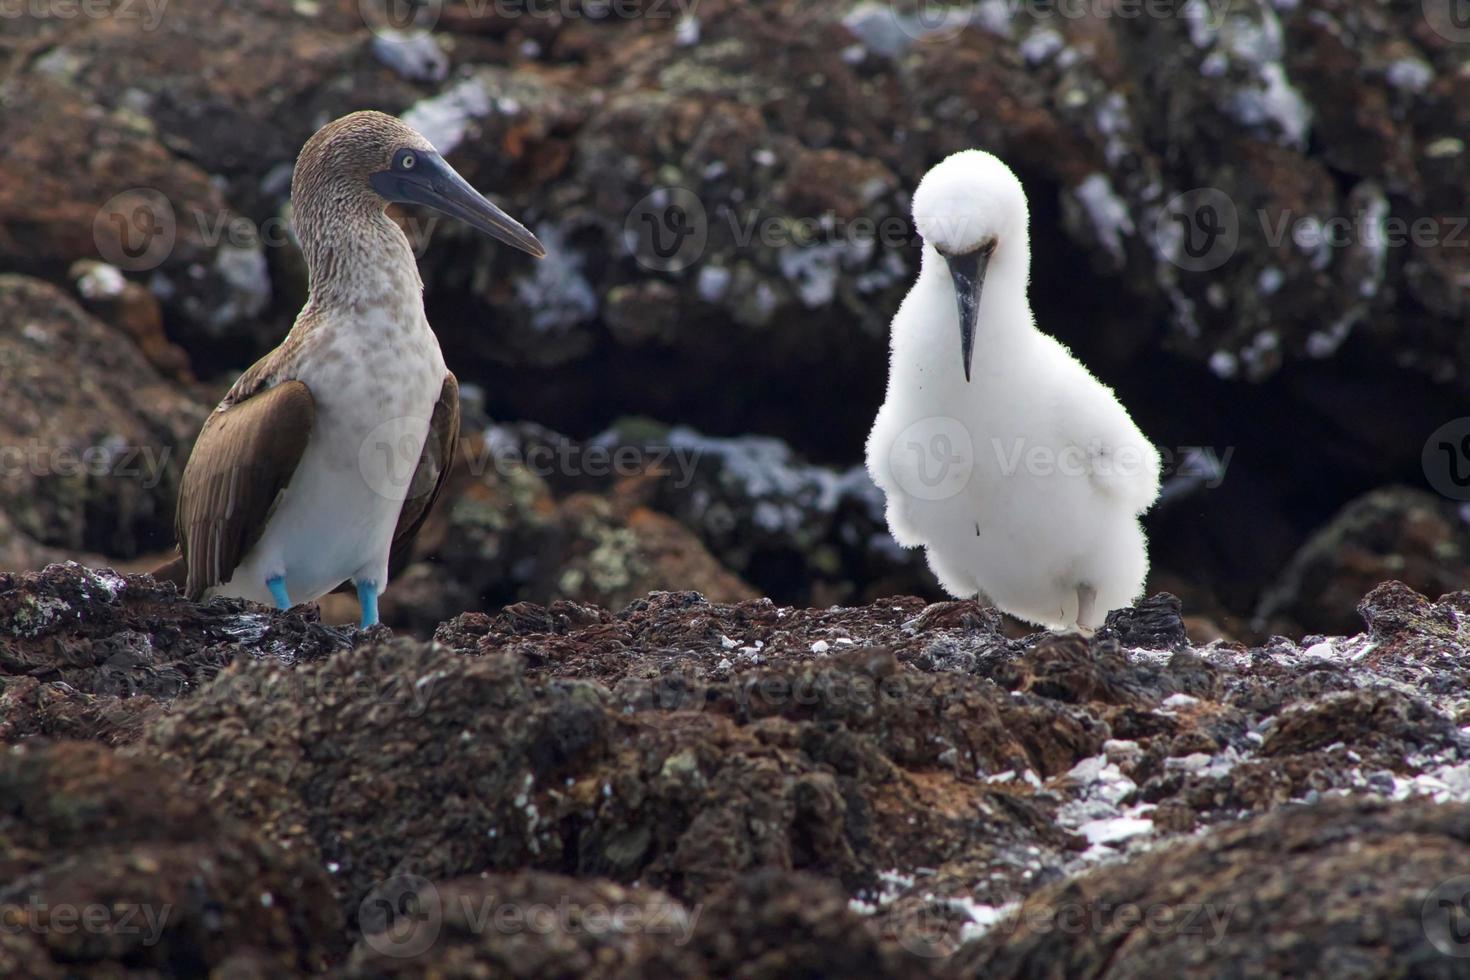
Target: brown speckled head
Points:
(337, 164)
(354, 167)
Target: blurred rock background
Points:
(1247, 217)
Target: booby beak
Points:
(968, 273)
(433, 182)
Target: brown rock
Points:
(93, 655)
(1394, 533)
(107, 860)
(94, 440)
(134, 310)
(1338, 886)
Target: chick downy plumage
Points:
(1018, 471)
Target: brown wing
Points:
(428, 479)
(242, 460)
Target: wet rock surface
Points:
(90, 654)
(690, 788)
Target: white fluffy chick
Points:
(1019, 472)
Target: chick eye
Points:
(407, 161)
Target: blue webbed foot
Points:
(277, 585)
(367, 597)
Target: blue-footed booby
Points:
(1019, 472)
(323, 460)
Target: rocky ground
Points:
(701, 789)
(586, 745)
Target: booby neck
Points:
(355, 256)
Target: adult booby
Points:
(321, 463)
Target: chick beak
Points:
(968, 273)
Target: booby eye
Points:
(407, 161)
